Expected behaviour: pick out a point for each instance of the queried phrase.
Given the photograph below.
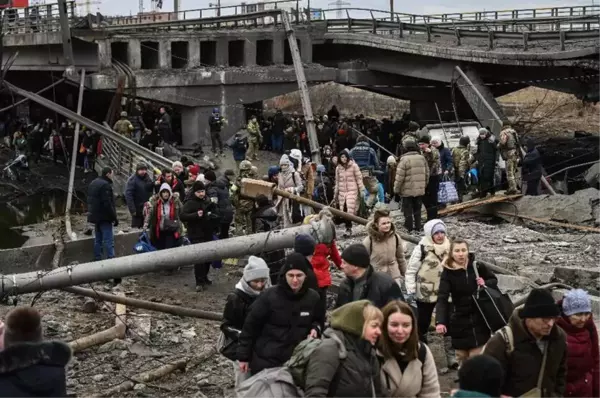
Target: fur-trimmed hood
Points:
(377, 235)
(34, 369)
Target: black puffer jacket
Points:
(380, 289)
(34, 369)
(532, 165)
(277, 322)
(138, 192)
(236, 310)
(344, 365)
(101, 201)
(200, 228)
(467, 328)
(219, 191)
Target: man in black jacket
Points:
(279, 319)
(363, 282)
(217, 190)
(102, 213)
(138, 192)
(202, 218)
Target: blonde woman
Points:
(345, 364)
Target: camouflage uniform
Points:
(433, 161)
(460, 160)
(243, 206)
(254, 139)
(123, 126)
(508, 150)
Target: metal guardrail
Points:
(40, 18)
(568, 11)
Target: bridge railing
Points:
(38, 18)
(524, 13)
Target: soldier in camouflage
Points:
(509, 150)
(254, 138)
(410, 135)
(123, 126)
(432, 155)
(460, 158)
(243, 206)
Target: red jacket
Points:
(320, 262)
(582, 359)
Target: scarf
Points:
(442, 250)
(246, 288)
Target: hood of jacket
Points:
(21, 359)
(349, 318)
(377, 235)
(166, 187)
(451, 265)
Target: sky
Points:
(130, 7)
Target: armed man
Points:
(123, 126)
(254, 139)
(510, 152)
(215, 124)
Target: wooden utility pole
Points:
(304, 96)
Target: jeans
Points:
(277, 142)
(104, 238)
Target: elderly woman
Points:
(291, 181)
(349, 187)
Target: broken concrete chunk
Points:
(585, 278)
(116, 344)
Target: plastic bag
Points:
(143, 244)
(447, 192)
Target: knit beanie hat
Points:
(22, 324)
(105, 171)
(256, 269)
(295, 261)
(357, 255)
(304, 244)
(576, 301)
(198, 186)
(210, 175)
(349, 317)
(483, 374)
(539, 304)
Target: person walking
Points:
(103, 214)
(408, 368)
(202, 219)
(430, 199)
(532, 349)
(137, 192)
(510, 151)
(279, 124)
(345, 364)
(385, 247)
(445, 156)
(532, 169)
(412, 174)
(461, 163)
(325, 254)
(583, 361)
(243, 205)
(217, 191)
(253, 282)
(254, 138)
(349, 187)
(265, 219)
(279, 319)
(123, 126)
(487, 156)
(215, 125)
(164, 127)
(163, 219)
(308, 175)
(291, 181)
(362, 281)
(467, 327)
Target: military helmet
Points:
(245, 165)
(123, 114)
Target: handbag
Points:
(171, 225)
(536, 392)
(447, 192)
(494, 306)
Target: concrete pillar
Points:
(306, 51)
(194, 123)
(249, 52)
(104, 54)
(164, 54)
(222, 51)
(134, 54)
(278, 49)
(194, 53)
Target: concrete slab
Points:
(512, 283)
(541, 278)
(585, 278)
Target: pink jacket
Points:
(348, 186)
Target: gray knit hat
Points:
(256, 269)
(576, 301)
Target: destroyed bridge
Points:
(236, 56)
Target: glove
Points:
(116, 223)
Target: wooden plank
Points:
(550, 222)
(477, 202)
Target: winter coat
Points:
(123, 127)
(150, 141)
(287, 180)
(277, 322)
(176, 186)
(349, 186)
(582, 358)
(264, 219)
(425, 267)
(379, 289)
(200, 228)
(412, 175)
(532, 165)
(323, 192)
(164, 126)
(155, 214)
(418, 379)
(236, 310)
(342, 141)
(364, 156)
(218, 193)
(344, 365)
(320, 262)
(215, 123)
(487, 155)
(467, 327)
(432, 155)
(279, 123)
(34, 369)
(522, 366)
(239, 147)
(387, 251)
(101, 201)
(460, 159)
(445, 158)
(138, 191)
(309, 176)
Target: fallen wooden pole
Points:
(477, 202)
(550, 222)
(148, 305)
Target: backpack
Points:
(509, 340)
(299, 359)
(269, 383)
